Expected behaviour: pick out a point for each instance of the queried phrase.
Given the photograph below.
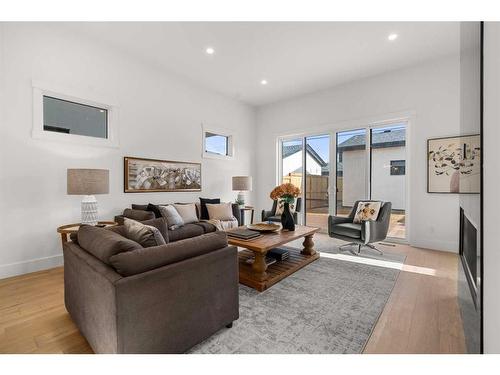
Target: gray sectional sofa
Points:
(163, 299)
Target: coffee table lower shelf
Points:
(276, 271)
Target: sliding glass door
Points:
(351, 176)
(317, 184)
(388, 173)
(368, 163)
(371, 164)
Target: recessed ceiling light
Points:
(392, 37)
(210, 51)
(263, 82)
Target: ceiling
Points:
(294, 57)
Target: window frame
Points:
(76, 96)
(221, 132)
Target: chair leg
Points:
(359, 248)
(374, 248)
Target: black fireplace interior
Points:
(469, 254)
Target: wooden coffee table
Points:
(259, 275)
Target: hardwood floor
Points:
(421, 316)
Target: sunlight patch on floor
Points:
(381, 263)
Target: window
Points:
(216, 143)
(397, 167)
(64, 116)
(74, 116)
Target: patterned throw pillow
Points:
(367, 211)
(281, 205)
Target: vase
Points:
(287, 221)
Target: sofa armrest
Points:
(145, 259)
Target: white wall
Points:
(160, 117)
(430, 91)
(491, 207)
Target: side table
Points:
(66, 230)
(242, 214)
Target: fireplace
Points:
(469, 253)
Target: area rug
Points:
(330, 306)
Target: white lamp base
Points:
(241, 199)
(89, 210)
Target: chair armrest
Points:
(266, 214)
(334, 220)
(236, 212)
(373, 231)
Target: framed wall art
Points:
(454, 165)
(152, 175)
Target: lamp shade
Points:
(242, 183)
(88, 181)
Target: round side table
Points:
(66, 230)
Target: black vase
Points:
(287, 221)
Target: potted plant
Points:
(285, 194)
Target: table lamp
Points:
(88, 182)
(242, 184)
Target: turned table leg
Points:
(259, 266)
(308, 245)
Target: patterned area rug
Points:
(330, 306)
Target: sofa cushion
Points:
(154, 208)
(347, 229)
(173, 218)
(145, 235)
(103, 243)
(160, 224)
(187, 231)
(142, 260)
(220, 211)
(203, 206)
(207, 227)
(139, 215)
(187, 212)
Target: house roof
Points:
(388, 138)
(293, 149)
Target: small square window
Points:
(67, 117)
(398, 167)
(216, 143)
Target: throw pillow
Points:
(203, 206)
(174, 220)
(221, 211)
(187, 212)
(154, 208)
(367, 211)
(145, 235)
(281, 205)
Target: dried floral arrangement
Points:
(288, 192)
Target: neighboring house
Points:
(388, 168)
(292, 160)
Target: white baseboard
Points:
(28, 266)
(448, 246)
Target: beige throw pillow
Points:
(145, 235)
(187, 212)
(174, 220)
(221, 211)
(367, 211)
